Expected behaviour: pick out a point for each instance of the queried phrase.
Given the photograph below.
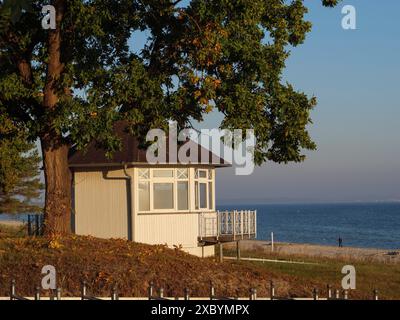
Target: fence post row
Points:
(115, 295)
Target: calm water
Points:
(360, 225)
(367, 225)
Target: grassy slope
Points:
(103, 263)
(369, 275)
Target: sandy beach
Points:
(311, 250)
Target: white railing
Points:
(237, 224)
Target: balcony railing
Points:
(228, 225)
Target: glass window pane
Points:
(144, 173)
(202, 174)
(196, 194)
(163, 195)
(163, 173)
(210, 196)
(144, 196)
(203, 195)
(183, 193)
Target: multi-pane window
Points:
(163, 189)
(203, 189)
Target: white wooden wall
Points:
(101, 210)
(100, 205)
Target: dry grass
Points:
(370, 274)
(104, 263)
(12, 231)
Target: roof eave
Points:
(113, 165)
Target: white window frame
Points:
(210, 177)
(174, 180)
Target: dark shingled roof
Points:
(130, 153)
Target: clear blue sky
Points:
(355, 75)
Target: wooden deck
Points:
(227, 226)
(224, 238)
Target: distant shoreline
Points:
(315, 250)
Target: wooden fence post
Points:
(337, 294)
(253, 294)
(161, 292)
(150, 290)
(12, 289)
(83, 291)
(114, 293)
(375, 294)
(212, 291)
(238, 250)
(58, 293)
(345, 294)
(186, 293)
(272, 242)
(315, 294)
(37, 293)
(272, 290)
(329, 291)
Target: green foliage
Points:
(19, 170)
(227, 55)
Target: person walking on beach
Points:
(340, 240)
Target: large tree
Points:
(20, 185)
(69, 85)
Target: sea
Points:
(365, 225)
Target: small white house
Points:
(173, 204)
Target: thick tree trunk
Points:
(55, 151)
(58, 188)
